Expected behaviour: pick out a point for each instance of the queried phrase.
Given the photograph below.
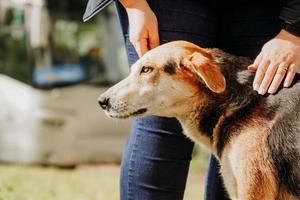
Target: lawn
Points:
(93, 182)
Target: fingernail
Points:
(286, 84)
(256, 86)
(251, 68)
(261, 91)
(271, 90)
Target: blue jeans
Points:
(157, 155)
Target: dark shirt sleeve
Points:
(291, 12)
(93, 7)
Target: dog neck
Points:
(212, 122)
(189, 121)
(209, 124)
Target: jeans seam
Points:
(131, 171)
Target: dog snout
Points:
(104, 103)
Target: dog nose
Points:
(104, 103)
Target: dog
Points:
(255, 138)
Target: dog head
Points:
(163, 82)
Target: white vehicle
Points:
(48, 89)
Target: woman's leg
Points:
(156, 158)
(214, 187)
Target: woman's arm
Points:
(143, 26)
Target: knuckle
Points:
(293, 70)
(294, 66)
(276, 63)
(289, 56)
(262, 70)
(282, 65)
(268, 74)
(267, 60)
(271, 68)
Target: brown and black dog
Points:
(256, 138)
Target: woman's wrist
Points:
(285, 35)
(292, 28)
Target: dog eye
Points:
(146, 69)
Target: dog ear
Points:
(204, 69)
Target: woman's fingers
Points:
(141, 47)
(261, 70)
(290, 75)
(153, 37)
(254, 66)
(267, 78)
(279, 76)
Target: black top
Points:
(290, 13)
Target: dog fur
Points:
(255, 138)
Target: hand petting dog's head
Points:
(163, 82)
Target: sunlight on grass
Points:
(95, 182)
(38, 183)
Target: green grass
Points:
(96, 182)
(38, 183)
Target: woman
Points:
(156, 159)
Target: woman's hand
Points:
(278, 60)
(143, 26)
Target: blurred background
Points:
(55, 142)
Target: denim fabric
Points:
(157, 155)
(214, 189)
